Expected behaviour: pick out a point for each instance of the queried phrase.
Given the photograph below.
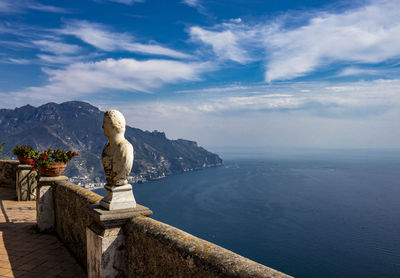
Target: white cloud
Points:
(225, 44)
(368, 96)
(197, 4)
(192, 3)
(19, 6)
(124, 74)
(353, 114)
(368, 35)
(17, 61)
(60, 59)
(56, 47)
(127, 2)
(349, 71)
(100, 37)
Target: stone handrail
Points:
(151, 248)
(156, 249)
(8, 172)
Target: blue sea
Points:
(323, 214)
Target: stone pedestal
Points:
(45, 215)
(105, 239)
(26, 183)
(118, 197)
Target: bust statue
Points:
(117, 156)
(117, 159)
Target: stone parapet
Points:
(155, 249)
(72, 217)
(8, 173)
(45, 203)
(145, 247)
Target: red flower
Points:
(32, 162)
(34, 168)
(45, 157)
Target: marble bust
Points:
(117, 159)
(117, 156)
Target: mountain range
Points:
(77, 126)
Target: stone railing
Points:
(18, 176)
(136, 247)
(8, 173)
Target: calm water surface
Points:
(308, 217)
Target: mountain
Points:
(77, 126)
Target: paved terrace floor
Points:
(23, 251)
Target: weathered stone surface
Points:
(106, 252)
(155, 249)
(118, 197)
(44, 208)
(26, 183)
(71, 216)
(113, 218)
(45, 204)
(8, 173)
(151, 248)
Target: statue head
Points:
(113, 123)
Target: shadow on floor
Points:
(26, 253)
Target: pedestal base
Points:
(118, 197)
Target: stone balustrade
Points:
(139, 246)
(8, 173)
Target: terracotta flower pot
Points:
(25, 159)
(55, 169)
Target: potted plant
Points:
(25, 154)
(52, 163)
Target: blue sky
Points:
(323, 74)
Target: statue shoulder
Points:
(125, 146)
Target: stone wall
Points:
(71, 216)
(8, 173)
(156, 249)
(152, 248)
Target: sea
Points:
(319, 213)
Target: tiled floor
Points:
(23, 251)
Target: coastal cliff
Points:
(77, 126)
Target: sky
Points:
(237, 73)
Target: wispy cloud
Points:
(225, 44)
(19, 6)
(197, 4)
(99, 36)
(319, 97)
(56, 47)
(16, 61)
(368, 34)
(192, 3)
(127, 2)
(124, 74)
(350, 71)
(61, 59)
